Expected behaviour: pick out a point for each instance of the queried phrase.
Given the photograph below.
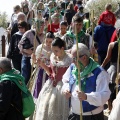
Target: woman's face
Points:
(41, 29)
(48, 42)
(25, 9)
(21, 29)
(57, 51)
(63, 29)
(39, 14)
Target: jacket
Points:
(13, 49)
(10, 99)
(102, 36)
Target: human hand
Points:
(39, 62)
(67, 94)
(33, 57)
(82, 95)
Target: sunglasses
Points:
(75, 58)
(56, 16)
(20, 27)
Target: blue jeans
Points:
(26, 68)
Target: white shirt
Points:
(97, 98)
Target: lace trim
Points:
(45, 55)
(67, 60)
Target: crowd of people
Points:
(51, 46)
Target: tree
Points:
(3, 20)
(99, 6)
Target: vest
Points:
(90, 87)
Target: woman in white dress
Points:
(115, 113)
(52, 105)
(43, 52)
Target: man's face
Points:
(77, 26)
(74, 56)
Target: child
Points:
(54, 26)
(63, 29)
(107, 18)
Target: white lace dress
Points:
(52, 104)
(115, 113)
(41, 75)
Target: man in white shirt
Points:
(94, 86)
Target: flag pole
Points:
(118, 61)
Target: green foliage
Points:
(3, 20)
(34, 1)
(99, 6)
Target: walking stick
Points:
(50, 19)
(78, 66)
(118, 61)
(33, 73)
(92, 19)
(34, 117)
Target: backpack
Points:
(27, 99)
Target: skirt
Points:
(115, 113)
(52, 104)
(40, 80)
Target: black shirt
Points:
(114, 54)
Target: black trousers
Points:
(99, 116)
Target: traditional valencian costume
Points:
(41, 75)
(52, 105)
(70, 39)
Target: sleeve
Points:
(5, 98)
(76, 8)
(48, 27)
(114, 37)
(11, 47)
(20, 46)
(100, 19)
(14, 29)
(102, 93)
(95, 34)
(38, 50)
(65, 80)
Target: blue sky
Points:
(7, 6)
